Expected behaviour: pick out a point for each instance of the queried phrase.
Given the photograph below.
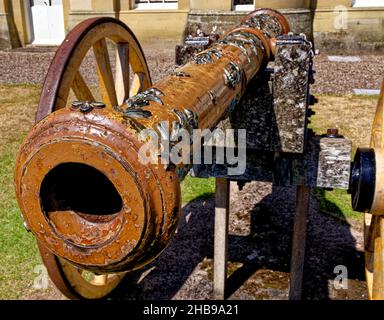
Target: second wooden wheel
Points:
(64, 73)
(374, 220)
(131, 76)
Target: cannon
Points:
(92, 202)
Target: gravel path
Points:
(259, 252)
(260, 231)
(342, 77)
(29, 66)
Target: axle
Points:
(81, 187)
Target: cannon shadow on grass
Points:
(266, 247)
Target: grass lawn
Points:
(19, 255)
(353, 116)
(18, 258)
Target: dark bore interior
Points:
(80, 188)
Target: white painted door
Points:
(47, 22)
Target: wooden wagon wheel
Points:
(64, 75)
(374, 220)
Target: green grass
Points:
(195, 188)
(353, 116)
(18, 249)
(336, 203)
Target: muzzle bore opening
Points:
(82, 189)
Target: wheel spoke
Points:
(122, 72)
(137, 83)
(374, 223)
(81, 89)
(104, 72)
(377, 139)
(373, 233)
(378, 263)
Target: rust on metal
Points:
(80, 185)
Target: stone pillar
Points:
(106, 7)
(333, 3)
(158, 27)
(125, 5)
(11, 24)
(217, 5)
(82, 10)
(283, 4)
(84, 5)
(184, 5)
(5, 41)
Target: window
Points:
(156, 4)
(368, 3)
(244, 5)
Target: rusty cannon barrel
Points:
(81, 187)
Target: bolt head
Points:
(87, 106)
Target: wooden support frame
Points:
(221, 238)
(222, 207)
(303, 195)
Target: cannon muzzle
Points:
(85, 194)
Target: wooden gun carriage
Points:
(95, 207)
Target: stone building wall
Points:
(322, 19)
(220, 21)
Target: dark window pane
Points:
(237, 2)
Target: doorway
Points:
(47, 22)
